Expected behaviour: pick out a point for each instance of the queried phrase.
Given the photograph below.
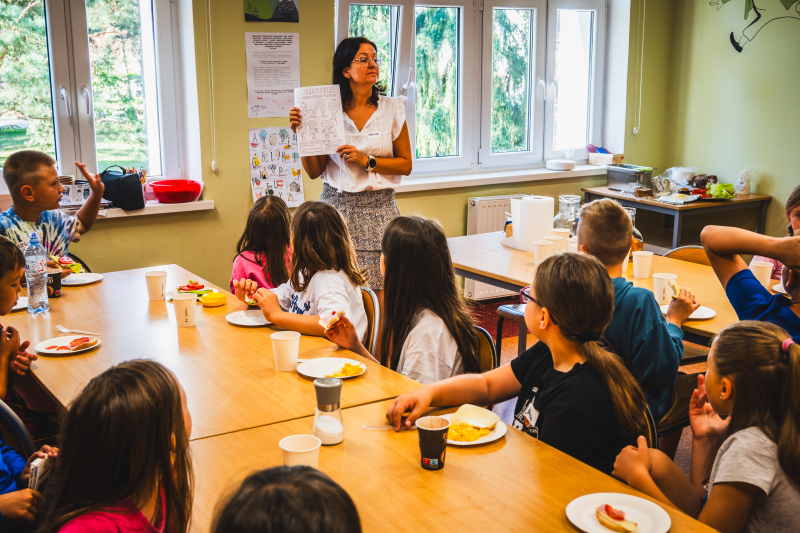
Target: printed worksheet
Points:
(321, 129)
(275, 166)
(273, 72)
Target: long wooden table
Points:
(228, 372)
(514, 484)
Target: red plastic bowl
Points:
(177, 191)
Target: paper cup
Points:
(573, 247)
(762, 270)
(625, 264)
(541, 251)
(300, 450)
(156, 284)
(185, 309)
(432, 432)
(558, 243)
(563, 233)
(661, 288)
(285, 345)
(642, 261)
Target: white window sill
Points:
(429, 183)
(153, 207)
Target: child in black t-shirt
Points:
(572, 394)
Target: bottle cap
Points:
(34, 238)
(329, 391)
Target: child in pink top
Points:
(792, 214)
(263, 252)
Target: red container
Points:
(177, 191)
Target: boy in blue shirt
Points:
(32, 181)
(650, 345)
(750, 299)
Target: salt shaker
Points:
(328, 425)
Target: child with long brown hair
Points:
(792, 214)
(125, 464)
(427, 332)
(751, 460)
(571, 393)
(323, 277)
(263, 252)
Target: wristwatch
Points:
(371, 164)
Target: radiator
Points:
(485, 214)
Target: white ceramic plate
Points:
(650, 517)
(251, 318)
(173, 292)
(778, 287)
(81, 279)
(63, 341)
(22, 303)
(702, 313)
(319, 368)
(497, 431)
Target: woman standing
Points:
(360, 178)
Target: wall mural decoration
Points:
(271, 11)
(765, 11)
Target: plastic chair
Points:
(14, 432)
(516, 313)
(373, 318)
(690, 254)
(490, 358)
(677, 417)
(79, 260)
(652, 432)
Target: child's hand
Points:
(294, 118)
(244, 288)
(20, 505)
(95, 183)
(22, 360)
(790, 252)
(46, 451)
(9, 344)
(706, 424)
(268, 302)
(682, 307)
(633, 463)
(344, 334)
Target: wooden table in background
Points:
(514, 484)
(228, 372)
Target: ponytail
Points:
(789, 440)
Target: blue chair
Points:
(489, 357)
(516, 313)
(14, 432)
(373, 318)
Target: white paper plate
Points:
(22, 303)
(702, 313)
(497, 431)
(778, 287)
(252, 318)
(650, 517)
(81, 279)
(319, 368)
(172, 292)
(63, 341)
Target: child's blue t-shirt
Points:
(752, 301)
(11, 467)
(55, 228)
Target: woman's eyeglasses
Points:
(526, 297)
(364, 61)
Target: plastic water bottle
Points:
(36, 276)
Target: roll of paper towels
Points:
(532, 217)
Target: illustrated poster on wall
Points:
(273, 72)
(271, 11)
(321, 131)
(764, 12)
(275, 167)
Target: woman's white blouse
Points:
(375, 139)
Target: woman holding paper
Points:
(360, 178)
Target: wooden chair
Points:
(14, 432)
(490, 359)
(690, 254)
(516, 313)
(79, 260)
(677, 417)
(373, 318)
(652, 432)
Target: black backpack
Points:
(123, 190)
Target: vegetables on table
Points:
(194, 287)
(67, 263)
(721, 190)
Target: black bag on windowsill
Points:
(123, 190)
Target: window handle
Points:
(554, 83)
(87, 95)
(540, 81)
(409, 84)
(65, 96)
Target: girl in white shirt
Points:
(323, 277)
(427, 332)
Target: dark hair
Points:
(266, 234)
(605, 229)
(123, 437)
(21, 167)
(577, 292)
(765, 379)
(287, 499)
(321, 242)
(343, 58)
(419, 275)
(11, 257)
(792, 203)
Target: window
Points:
(84, 81)
(491, 84)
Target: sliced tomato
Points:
(65, 261)
(191, 286)
(63, 348)
(79, 341)
(616, 514)
(51, 347)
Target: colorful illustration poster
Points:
(273, 72)
(275, 165)
(321, 131)
(271, 11)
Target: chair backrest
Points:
(373, 318)
(14, 433)
(79, 260)
(691, 254)
(487, 354)
(652, 431)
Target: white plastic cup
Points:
(661, 288)
(573, 247)
(185, 309)
(285, 345)
(762, 270)
(563, 233)
(300, 450)
(558, 243)
(156, 284)
(625, 264)
(642, 261)
(541, 251)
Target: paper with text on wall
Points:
(275, 167)
(273, 72)
(321, 129)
